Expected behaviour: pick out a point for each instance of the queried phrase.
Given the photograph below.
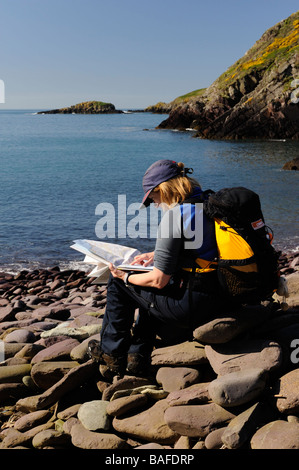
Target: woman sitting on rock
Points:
(182, 289)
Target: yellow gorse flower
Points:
(278, 43)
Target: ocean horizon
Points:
(57, 170)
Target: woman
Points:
(179, 293)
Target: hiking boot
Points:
(116, 364)
(137, 364)
(94, 350)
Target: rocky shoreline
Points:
(254, 98)
(235, 386)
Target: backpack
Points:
(247, 265)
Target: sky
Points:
(132, 53)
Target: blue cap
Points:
(157, 173)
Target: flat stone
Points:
(20, 336)
(15, 324)
(176, 378)
(193, 395)
(50, 437)
(126, 383)
(60, 350)
(149, 425)
(93, 415)
(45, 325)
(14, 374)
(287, 389)
(85, 439)
(31, 420)
(237, 388)
(246, 354)
(69, 412)
(276, 435)
(224, 329)
(68, 383)
(197, 420)
(46, 374)
(15, 438)
(188, 353)
(123, 405)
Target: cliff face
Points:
(257, 97)
(87, 107)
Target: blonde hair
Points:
(177, 189)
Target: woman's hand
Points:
(117, 272)
(144, 259)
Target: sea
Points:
(73, 177)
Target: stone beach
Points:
(235, 386)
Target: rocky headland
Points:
(256, 98)
(86, 107)
(235, 386)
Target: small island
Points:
(87, 107)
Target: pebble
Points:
(234, 386)
(93, 415)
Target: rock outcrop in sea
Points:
(257, 97)
(235, 386)
(87, 107)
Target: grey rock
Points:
(237, 388)
(93, 415)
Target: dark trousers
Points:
(170, 313)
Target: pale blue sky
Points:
(133, 53)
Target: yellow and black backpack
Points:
(247, 264)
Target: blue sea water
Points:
(57, 169)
